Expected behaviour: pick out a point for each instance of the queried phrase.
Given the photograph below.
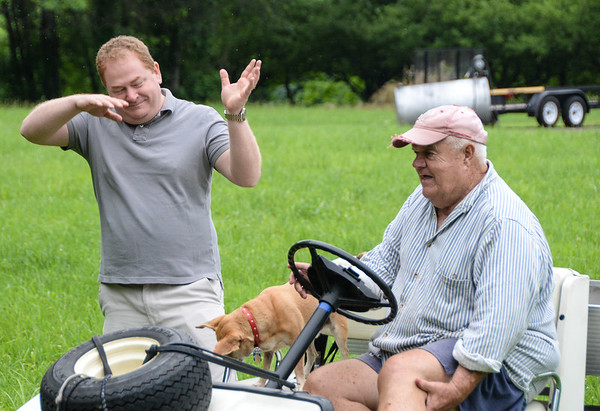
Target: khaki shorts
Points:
(182, 307)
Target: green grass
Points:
(327, 175)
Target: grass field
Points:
(327, 175)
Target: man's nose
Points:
(418, 162)
(131, 95)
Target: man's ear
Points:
(157, 72)
(469, 152)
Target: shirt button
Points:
(454, 276)
(416, 275)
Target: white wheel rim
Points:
(550, 113)
(576, 112)
(123, 355)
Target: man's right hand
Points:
(100, 105)
(303, 269)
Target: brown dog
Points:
(276, 317)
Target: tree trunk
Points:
(50, 57)
(19, 16)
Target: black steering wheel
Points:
(342, 287)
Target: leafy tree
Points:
(179, 38)
(267, 30)
(51, 44)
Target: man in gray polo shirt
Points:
(151, 157)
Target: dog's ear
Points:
(212, 324)
(228, 345)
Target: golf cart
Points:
(154, 368)
(161, 369)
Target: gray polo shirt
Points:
(152, 183)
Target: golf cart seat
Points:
(571, 294)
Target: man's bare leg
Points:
(349, 384)
(396, 383)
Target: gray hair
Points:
(457, 144)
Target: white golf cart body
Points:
(577, 304)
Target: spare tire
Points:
(169, 381)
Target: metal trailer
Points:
(545, 104)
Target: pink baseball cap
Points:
(440, 122)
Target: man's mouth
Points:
(425, 177)
(135, 105)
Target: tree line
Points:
(48, 47)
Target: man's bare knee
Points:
(348, 384)
(315, 382)
(414, 363)
(398, 368)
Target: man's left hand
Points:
(440, 395)
(235, 95)
(448, 395)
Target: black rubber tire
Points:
(573, 111)
(170, 381)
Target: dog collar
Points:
(252, 325)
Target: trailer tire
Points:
(169, 381)
(549, 111)
(573, 111)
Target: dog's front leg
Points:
(267, 359)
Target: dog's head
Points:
(232, 338)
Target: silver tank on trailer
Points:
(414, 100)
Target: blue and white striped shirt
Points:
(485, 277)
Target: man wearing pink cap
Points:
(471, 270)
